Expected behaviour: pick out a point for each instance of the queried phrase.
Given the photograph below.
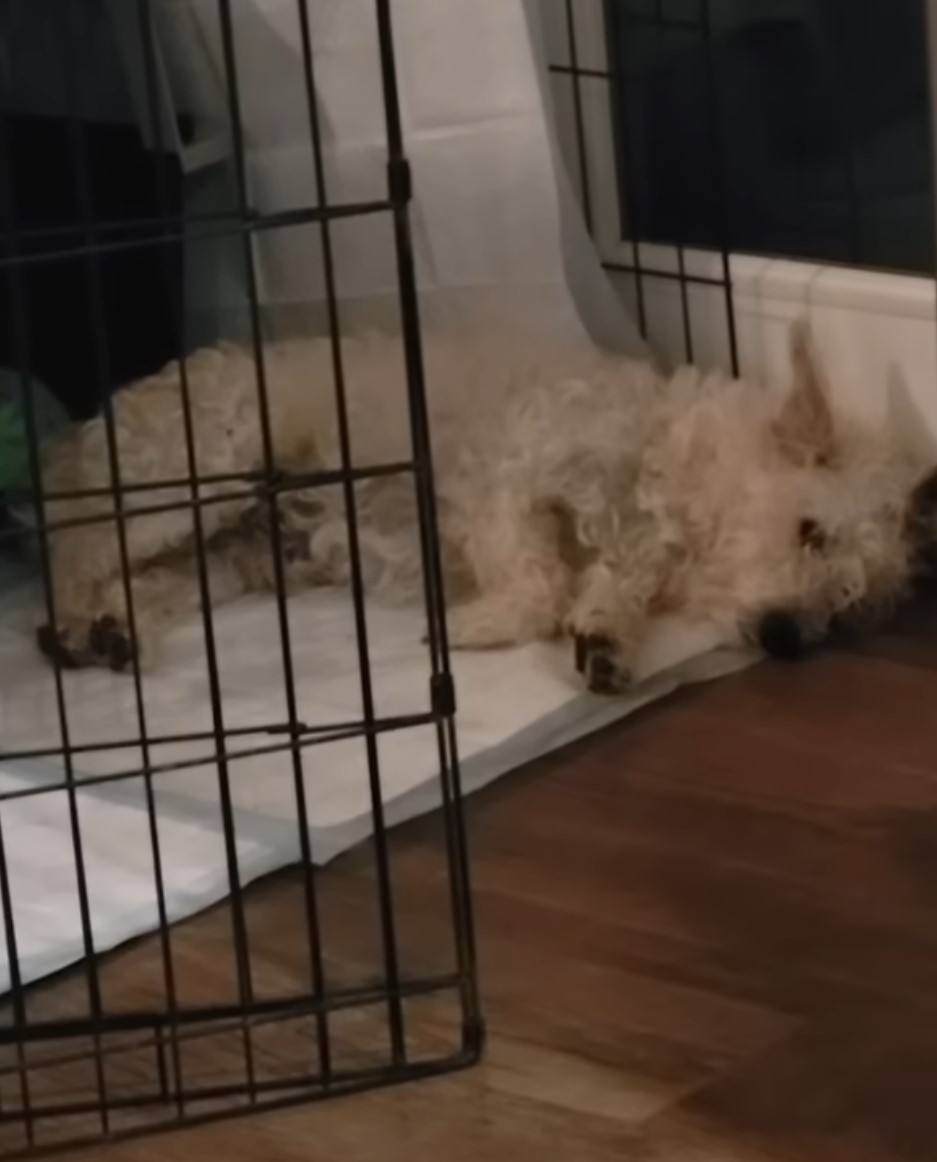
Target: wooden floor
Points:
(709, 934)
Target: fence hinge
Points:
(442, 695)
(399, 181)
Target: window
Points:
(788, 127)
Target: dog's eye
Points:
(811, 535)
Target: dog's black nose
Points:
(780, 636)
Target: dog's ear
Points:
(804, 429)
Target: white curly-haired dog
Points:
(578, 497)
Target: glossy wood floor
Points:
(709, 934)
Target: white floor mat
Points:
(513, 706)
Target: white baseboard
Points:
(876, 331)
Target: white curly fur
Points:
(584, 495)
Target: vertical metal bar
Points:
(128, 34)
(456, 847)
(78, 147)
(576, 78)
(236, 902)
(154, 115)
(616, 22)
(21, 346)
(74, 95)
(17, 991)
(678, 240)
(385, 887)
(269, 454)
(722, 182)
(685, 303)
(313, 925)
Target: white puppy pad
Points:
(513, 706)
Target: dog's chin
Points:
(781, 636)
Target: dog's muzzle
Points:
(781, 636)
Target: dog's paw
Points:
(112, 643)
(66, 646)
(599, 661)
(75, 645)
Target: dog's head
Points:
(841, 522)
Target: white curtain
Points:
(497, 230)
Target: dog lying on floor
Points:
(576, 498)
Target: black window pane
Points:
(791, 127)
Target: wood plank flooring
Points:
(708, 935)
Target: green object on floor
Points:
(14, 442)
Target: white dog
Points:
(573, 498)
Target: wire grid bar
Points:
(326, 731)
(620, 21)
(339, 1080)
(246, 225)
(226, 1016)
(172, 1025)
(301, 738)
(263, 486)
(212, 1099)
(175, 226)
(271, 1096)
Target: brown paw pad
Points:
(111, 642)
(56, 648)
(598, 661)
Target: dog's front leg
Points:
(609, 615)
(607, 624)
(160, 593)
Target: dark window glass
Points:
(789, 127)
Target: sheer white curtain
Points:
(497, 231)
